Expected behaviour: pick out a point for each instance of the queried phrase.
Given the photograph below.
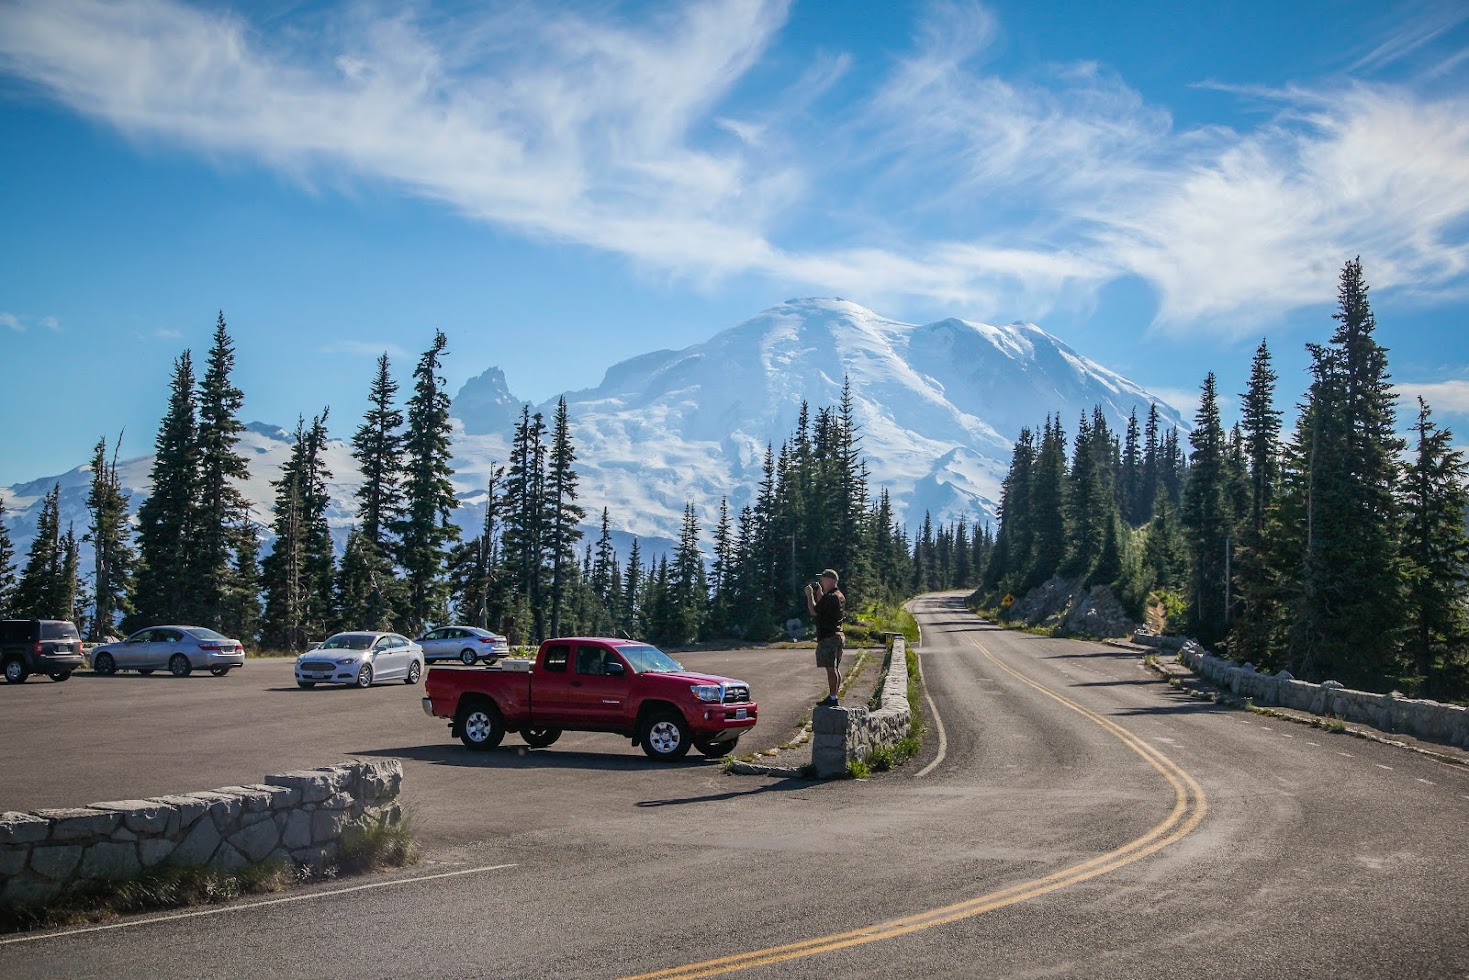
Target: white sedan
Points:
(361, 659)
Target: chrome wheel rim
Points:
(364, 676)
(413, 671)
(477, 726)
(468, 657)
(664, 737)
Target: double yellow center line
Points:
(1189, 807)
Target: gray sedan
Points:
(361, 659)
(180, 649)
(465, 643)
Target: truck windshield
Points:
(644, 658)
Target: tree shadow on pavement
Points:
(783, 786)
(1189, 706)
(525, 757)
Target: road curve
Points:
(1083, 821)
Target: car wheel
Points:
(179, 666)
(105, 665)
(480, 726)
(539, 738)
(364, 676)
(219, 671)
(306, 685)
(145, 671)
(716, 750)
(16, 672)
(415, 671)
(60, 675)
(666, 737)
(468, 657)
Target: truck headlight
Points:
(707, 692)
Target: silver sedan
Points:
(464, 643)
(361, 659)
(180, 649)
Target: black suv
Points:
(39, 646)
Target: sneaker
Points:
(830, 701)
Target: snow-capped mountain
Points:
(938, 405)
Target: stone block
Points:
(199, 846)
(251, 819)
(140, 816)
(24, 890)
(13, 859)
(829, 721)
(154, 850)
(315, 856)
(80, 823)
(281, 797)
(297, 831)
(188, 808)
(379, 780)
(224, 808)
(257, 840)
(338, 801)
(110, 860)
(313, 786)
(326, 825)
(23, 828)
(124, 835)
(55, 861)
(253, 800)
(229, 858)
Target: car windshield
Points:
(348, 641)
(200, 633)
(58, 631)
(644, 658)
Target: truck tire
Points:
(480, 726)
(716, 750)
(16, 671)
(539, 738)
(666, 737)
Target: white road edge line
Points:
(252, 905)
(937, 723)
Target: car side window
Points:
(433, 635)
(142, 636)
(557, 657)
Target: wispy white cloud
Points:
(20, 322)
(164, 333)
(952, 182)
(1442, 396)
(12, 321)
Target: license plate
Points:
(741, 713)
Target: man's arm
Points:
(810, 601)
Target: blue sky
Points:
(560, 186)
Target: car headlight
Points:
(707, 692)
(346, 660)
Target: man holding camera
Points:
(826, 603)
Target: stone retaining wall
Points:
(298, 817)
(1447, 724)
(842, 736)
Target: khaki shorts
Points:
(829, 651)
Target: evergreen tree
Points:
(1013, 541)
(1152, 475)
(110, 536)
(297, 575)
(605, 578)
(8, 579)
(633, 623)
(378, 448)
(1047, 508)
(476, 582)
(688, 593)
(41, 592)
(221, 506)
(1251, 634)
(561, 505)
(1435, 500)
(1130, 480)
(526, 519)
(1165, 551)
(71, 600)
(1207, 519)
(1347, 605)
(168, 520)
(241, 616)
(425, 530)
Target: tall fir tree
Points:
(378, 448)
(426, 529)
(222, 508)
(565, 513)
(40, 594)
(71, 599)
(111, 538)
(526, 518)
(1207, 519)
(1047, 513)
(8, 578)
(688, 594)
(1435, 501)
(297, 575)
(1251, 635)
(168, 520)
(241, 615)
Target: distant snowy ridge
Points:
(938, 406)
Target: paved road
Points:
(1083, 821)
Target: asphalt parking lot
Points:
(97, 738)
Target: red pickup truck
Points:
(593, 684)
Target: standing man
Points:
(826, 603)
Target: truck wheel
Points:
(105, 665)
(60, 675)
(16, 672)
(716, 750)
(467, 657)
(539, 738)
(666, 737)
(179, 666)
(480, 726)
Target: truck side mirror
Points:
(615, 669)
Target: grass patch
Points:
(857, 769)
(377, 846)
